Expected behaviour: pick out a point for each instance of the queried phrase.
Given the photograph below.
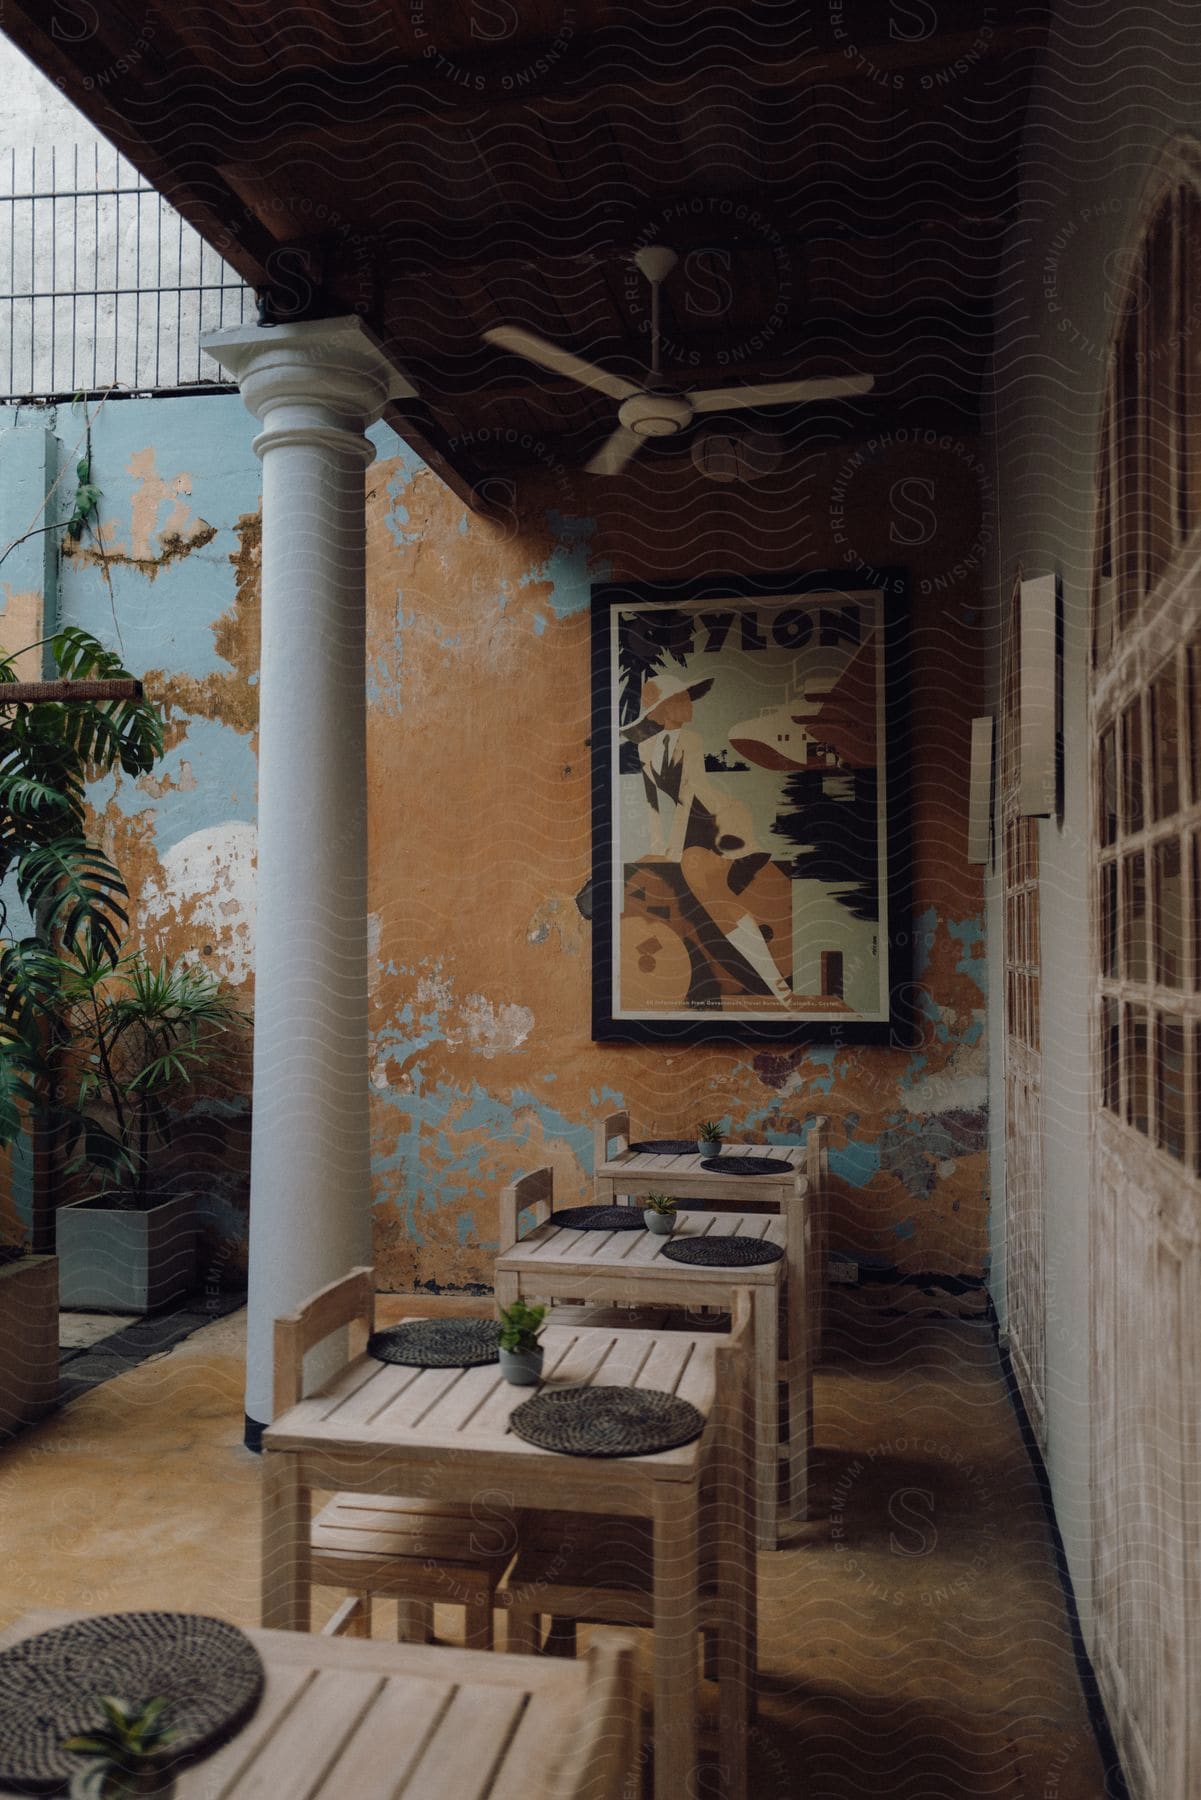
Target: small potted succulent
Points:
(659, 1214)
(125, 1754)
(520, 1351)
(708, 1138)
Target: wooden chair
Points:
(817, 1173)
(614, 1126)
(600, 1760)
(534, 1193)
(418, 1553)
(582, 1569)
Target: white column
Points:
(314, 387)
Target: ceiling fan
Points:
(655, 409)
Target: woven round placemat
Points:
(599, 1218)
(437, 1343)
(209, 1672)
(606, 1421)
(745, 1165)
(666, 1147)
(722, 1252)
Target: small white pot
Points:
(662, 1224)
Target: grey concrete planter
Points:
(28, 1341)
(523, 1368)
(111, 1260)
(662, 1224)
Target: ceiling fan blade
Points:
(560, 362)
(614, 453)
(779, 393)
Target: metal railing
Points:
(102, 283)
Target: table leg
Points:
(738, 1610)
(287, 1513)
(506, 1288)
(677, 1617)
(766, 1378)
(799, 1362)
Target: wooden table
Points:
(643, 1171)
(629, 1268)
(345, 1719)
(380, 1428)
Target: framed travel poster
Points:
(750, 828)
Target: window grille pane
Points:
(1169, 915)
(1193, 723)
(1190, 359)
(1158, 398)
(1132, 769)
(1165, 739)
(1134, 918)
(1107, 785)
(1129, 468)
(1134, 1053)
(1169, 1084)
(1110, 1055)
(1109, 921)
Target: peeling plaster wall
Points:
(170, 580)
(478, 683)
(479, 771)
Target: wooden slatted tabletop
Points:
(553, 1262)
(645, 1171)
(409, 1413)
(344, 1719)
(444, 1434)
(639, 1256)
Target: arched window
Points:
(1145, 861)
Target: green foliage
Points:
(87, 500)
(659, 1203)
(521, 1326)
(49, 751)
(122, 1751)
(135, 1037)
(709, 1132)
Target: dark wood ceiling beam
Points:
(226, 117)
(717, 228)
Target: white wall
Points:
(131, 240)
(1120, 81)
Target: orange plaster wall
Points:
(479, 796)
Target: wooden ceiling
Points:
(836, 177)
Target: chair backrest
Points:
(534, 1192)
(817, 1171)
(348, 1301)
(601, 1757)
(732, 1401)
(616, 1125)
(817, 1151)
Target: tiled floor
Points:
(80, 1330)
(914, 1644)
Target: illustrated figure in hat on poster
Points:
(710, 835)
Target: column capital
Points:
(318, 381)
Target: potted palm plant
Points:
(520, 1351)
(135, 1039)
(90, 721)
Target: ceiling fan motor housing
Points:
(655, 415)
